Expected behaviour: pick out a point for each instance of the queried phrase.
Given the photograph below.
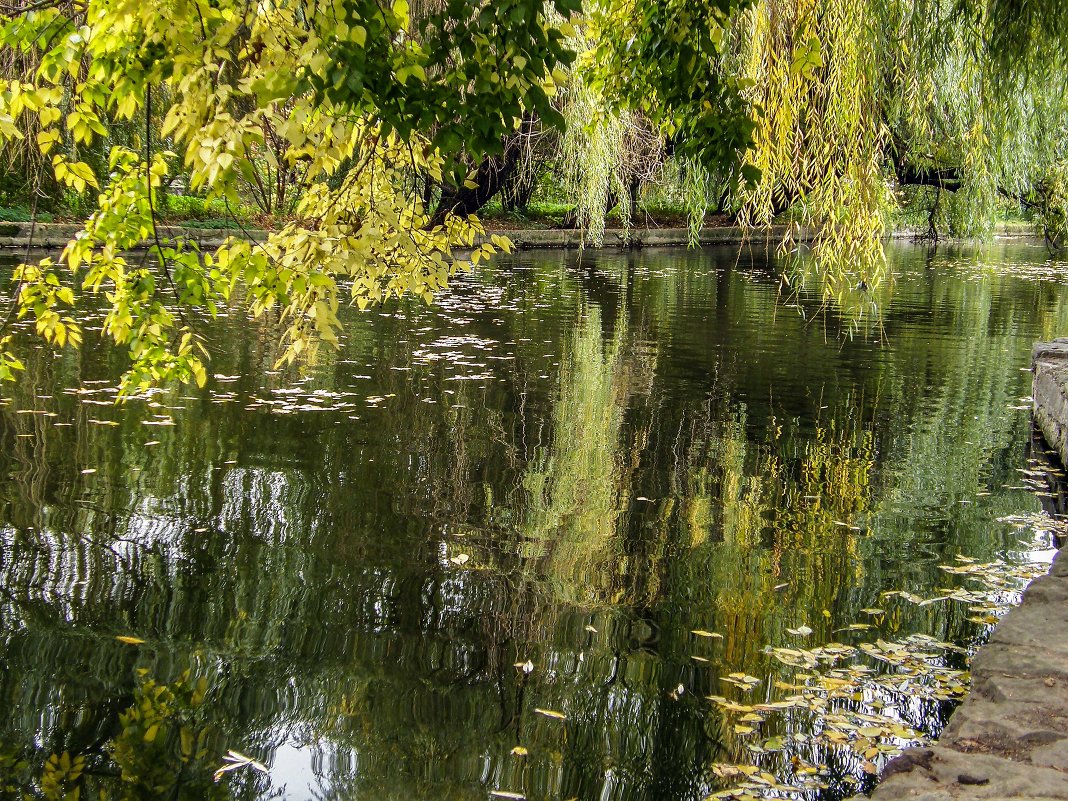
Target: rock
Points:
(1049, 362)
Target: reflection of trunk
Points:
(490, 177)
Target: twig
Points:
(151, 207)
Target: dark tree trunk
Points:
(633, 192)
(489, 178)
(947, 178)
(517, 191)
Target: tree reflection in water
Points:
(574, 466)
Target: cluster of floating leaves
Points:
(1019, 269)
(436, 347)
(853, 698)
(457, 353)
(1039, 475)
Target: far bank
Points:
(46, 236)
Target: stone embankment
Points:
(47, 236)
(1050, 364)
(50, 236)
(1009, 739)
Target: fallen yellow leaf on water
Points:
(703, 633)
(130, 640)
(549, 713)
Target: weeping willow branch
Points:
(607, 153)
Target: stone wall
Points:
(1009, 739)
(1050, 364)
(46, 236)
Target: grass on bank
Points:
(547, 210)
(186, 210)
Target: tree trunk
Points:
(489, 178)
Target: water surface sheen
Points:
(523, 498)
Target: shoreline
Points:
(1009, 737)
(50, 236)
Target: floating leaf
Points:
(741, 680)
(726, 771)
(130, 640)
(234, 760)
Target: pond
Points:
(509, 545)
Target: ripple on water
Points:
(514, 541)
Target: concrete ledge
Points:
(16, 236)
(648, 237)
(56, 235)
(49, 236)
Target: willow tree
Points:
(858, 100)
(828, 110)
(362, 95)
(820, 106)
(606, 152)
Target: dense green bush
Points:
(22, 214)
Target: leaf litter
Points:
(855, 698)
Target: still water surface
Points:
(523, 500)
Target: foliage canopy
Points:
(377, 129)
(362, 97)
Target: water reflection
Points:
(525, 498)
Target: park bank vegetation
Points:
(369, 135)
